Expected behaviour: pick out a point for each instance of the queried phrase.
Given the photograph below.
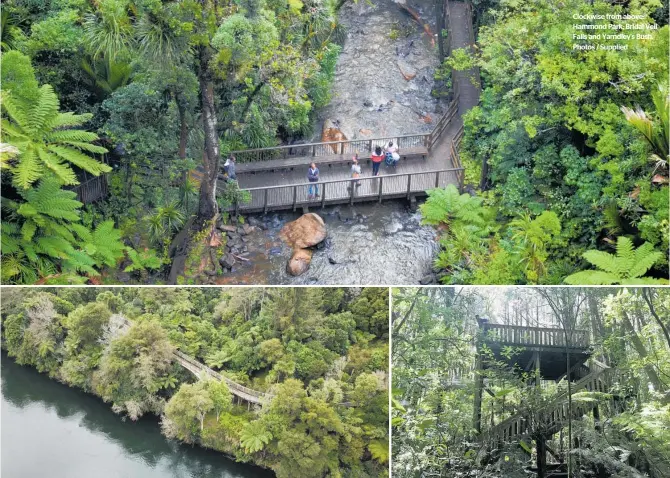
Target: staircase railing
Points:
(552, 414)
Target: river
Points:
(367, 244)
(49, 429)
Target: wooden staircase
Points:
(551, 418)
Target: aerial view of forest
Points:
(294, 380)
(517, 382)
(169, 142)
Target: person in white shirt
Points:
(355, 170)
(392, 149)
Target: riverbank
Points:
(76, 435)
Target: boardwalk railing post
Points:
(352, 185)
(295, 196)
(265, 202)
(437, 179)
(323, 195)
(381, 187)
(409, 184)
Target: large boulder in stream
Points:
(306, 231)
(298, 264)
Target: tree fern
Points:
(44, 234)
(446, 204)
(379, 449)
(254, 437)
(627, 267)
(45, 141)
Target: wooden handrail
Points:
(428, 139)
(349, 180)
(550, 413)
(522, 335)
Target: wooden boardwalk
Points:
(199, 370)
(286, 187)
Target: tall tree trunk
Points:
(642, 352)
(649, 299)
(183, 131)
(484, 178)
(207, 207)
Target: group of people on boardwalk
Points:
(389, 154)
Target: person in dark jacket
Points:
(313, 177)
(231, 168)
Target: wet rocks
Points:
(306, 231)
(428, 279)
(227, 261)
(299, 262)
(392, 228)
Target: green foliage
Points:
(552, 132)
(254, 437)
(44, 236)
(36, 130)
(627, 267)
(332, 419)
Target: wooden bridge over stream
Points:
(276, 177)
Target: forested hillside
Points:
(320, 355)
(154, 94)
(619, 428)
(566, 153)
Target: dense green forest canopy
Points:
(434, 355)
(322, 355)
(567, 150)
(163, 90)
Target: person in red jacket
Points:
(377, 157)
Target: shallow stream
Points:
(367, 243)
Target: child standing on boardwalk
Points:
(355, 170)
(313, 177)
(377, 157)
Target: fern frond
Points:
(68, 120)
(28, 170)
(91, 148)
(107, 241)
(591, 278)
(603, 260)
(53, 246)
(63, 172)
(28, 230)
(49, 199)
(45, 106)
(15, 109)
(63, 135)
(644, 281)
(625, 252)
(79, 261)
(80, 160)
(644, 259)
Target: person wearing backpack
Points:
(377, 157)
(392, 156)
(313, 177)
